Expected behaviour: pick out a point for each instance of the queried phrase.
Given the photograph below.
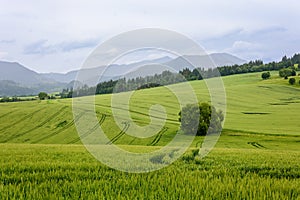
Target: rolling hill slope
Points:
(253, 107)
(29, 82)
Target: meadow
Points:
(256, 157)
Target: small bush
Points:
(43, 95)
(287, 72)
(265, 75)
(292, 81)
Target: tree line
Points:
(123, 85)
(286, 67)
(15, 99)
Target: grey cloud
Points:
(70, 46)
(38, 47)
(260, 43)
(216, 25)
(42, 47)
(7, 41)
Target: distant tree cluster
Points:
(43, 96)
(287, 67)
(286, 72)
(66, 93)
(148, 85)
(253, 66)
(10, 99)
(123, 85)
(15, 99)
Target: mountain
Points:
(151, 67)
(225, 59)
(15, 77)
(18, 73)
(205, 61)
(112, 72)
(60, 77)
(11, 88)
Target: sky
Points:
(57, 36)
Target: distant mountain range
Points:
(15, 79)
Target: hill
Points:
(116, 70)
(113, 71)
(11, 88)
(15, 80)
(32, 82)
(18, 73)
(260, 144)
(253, 107)
(205, 61)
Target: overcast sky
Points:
(57, 36)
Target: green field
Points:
(256, 157)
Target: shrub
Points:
(265, 75)
(43, 95)
(287, 72)
(292, 81)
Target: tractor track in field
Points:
(256, 145)
(70, 124)
(141, 113)
(20, 120)
(158, 136)
(101, 121)
(38, 126)
(6, 114)
(120, 134)
(132, 141)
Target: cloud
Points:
(243, 46)
(42, 47)
(39, 47)
(246, 50)
(7, 41)
(65, 28)
(267, 43)
(73, 45)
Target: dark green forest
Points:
(286, 67)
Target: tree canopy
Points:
(201, 119)
(43, 95)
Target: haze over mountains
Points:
(15, 79)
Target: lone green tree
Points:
(43, 95)
(265, 75)
(201, 119)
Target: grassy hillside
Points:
(254, 106)
(256, 157)
(69, 172)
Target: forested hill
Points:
(166, 77)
